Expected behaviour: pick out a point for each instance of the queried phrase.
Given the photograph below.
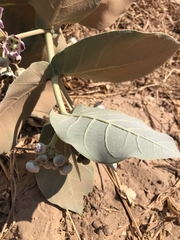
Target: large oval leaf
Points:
(106, 13)
(66, 191)
(115, 56)
(19, 102)
(52, 14)
(108, 136)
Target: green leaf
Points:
(108, 136)
(19, 102)
(67, 191)
(52, 14)
(115, 56)
(106, 13)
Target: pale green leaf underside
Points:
(67, 192)
(57, 12)
(115, 56)
(108, 136)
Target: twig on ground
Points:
(13, 196)
(68, 213)
(4, 168)
(114, 177)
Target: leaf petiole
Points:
(31, 33)
(58, 95)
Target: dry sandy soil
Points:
(154, 99)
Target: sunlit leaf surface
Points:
(108, 136)
(106, 13)
(115, 56)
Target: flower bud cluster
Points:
(49, 160)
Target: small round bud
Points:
(49, 165)
(83, 160)
(32, 167)
(42, 159)
(3, 62)
(65, 169)
(40, 148)
(51, 153)
(59, 160)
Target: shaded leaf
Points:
(36, 48)
(46, 133)
(67, 191)
(23, 19)
(45, 103)
(115, 56)
(19, 102)
(54, 13)
(106, 13)
(108, 136)
(18, 16)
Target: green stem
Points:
(66, 95)
(54, 79)
(30, 33)
(50, 45)
(58, 95)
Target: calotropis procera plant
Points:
(77, 136)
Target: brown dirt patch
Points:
(155, 100)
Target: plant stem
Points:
(57, 94)
(66, 95)
(54, 79)
(50, 45)
(30, 33)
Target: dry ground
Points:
(156, 100)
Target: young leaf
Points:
(19, 102)
(106, 13)
(67, 191)
(57, 12)
(115, 56)
(108, 136)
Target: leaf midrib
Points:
(124, 129)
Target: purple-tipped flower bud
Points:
(65, 169)
(59, 160)
(42, 159)
(40, 148)
(32, 167)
